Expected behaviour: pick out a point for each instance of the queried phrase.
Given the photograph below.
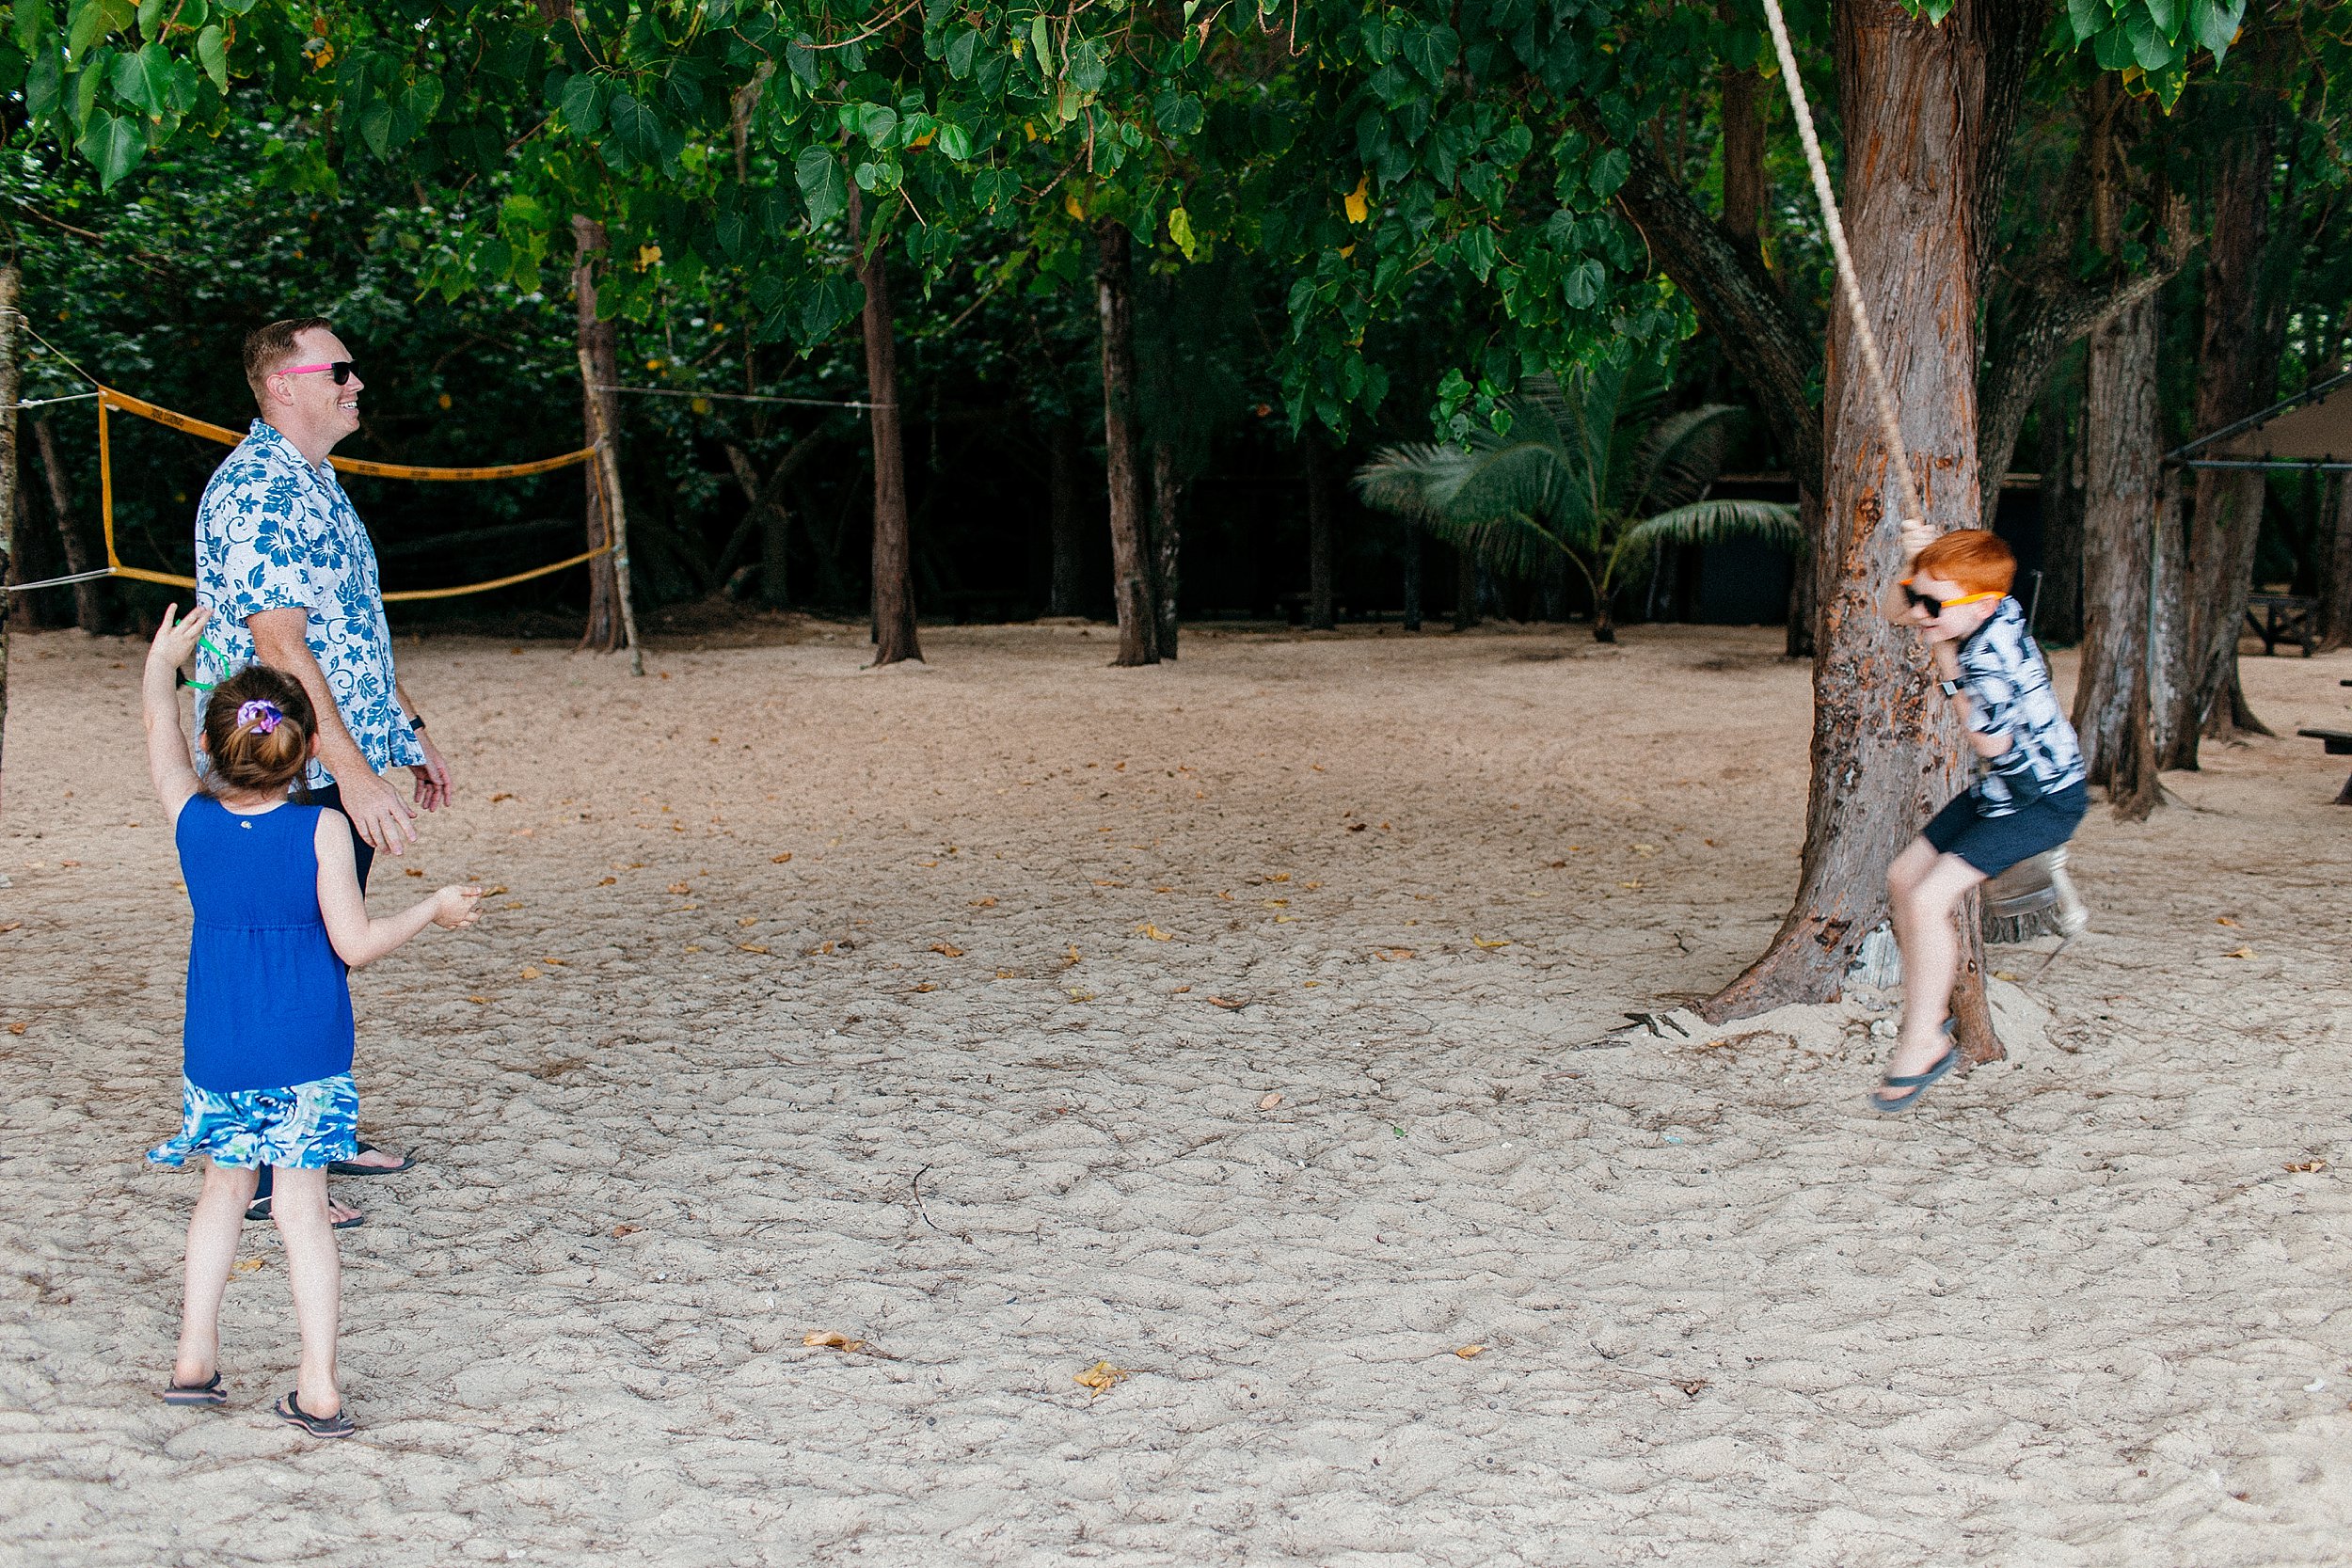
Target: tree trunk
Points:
(1066, 519)
(2335, 589)
(2059, 614)
(9, 510)
(89, 601)
(1800, 637)
(1883, 755)
(2120, 503)
(2137, 789)
(1411, 537)
(895, 636)
(1131, 567)
(771, 516)
(598, 345)
(1167, 538)
(1465, 589)
(1743, 160)
(1322, 612)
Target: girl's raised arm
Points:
(167, 763)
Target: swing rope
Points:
(1851, 285)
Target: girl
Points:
(267, 1043)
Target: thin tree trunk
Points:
(1412, 536)
(2335, 589)
(772, 519)
(2237, 370)
(2058, 616)
(1801, 635)
(1465, 589)
(895, 636)
(1066, 519)
(1167, 538)
(10, 508)
(89, 602)
(2137, 789)
(1131, 567)
(1322, 612)
(1911, 97)
(1743, 160)
(2119, 441)
(598, 345)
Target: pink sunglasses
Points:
(341, 369)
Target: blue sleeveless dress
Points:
(269, 1038)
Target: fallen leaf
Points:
(1006, 974)
(928, 985)
(501, 795)
(694, 947)
(557, 962)
(1468, 1351)
(1645, 848)
(1229, 1007)
(16, 1028)
(246, 1265)
(2308, 1165)
(947, 949)
(1635, 886)
(1559, 865)
(747, 920)
(1393, 955)
(829, 1339)
(11, 926)
(819, 950)
(1690, 1386)
(2008, 975)
(1147, 929)
(411, 871)
(1179, 991)
(2223, 920)
(1082, 996)
(1280, 876)
(680, 888)
(626, 1229)
(479, 1001)
(1100, 883)
(1073, 957)
(1270, 1100)
(779, 860)
(927, 863)
(751, 947)
(524, 833)
(532, 971)
(1484, 941)
(1100, 1376)
(1357, 827)
(2239, 953)
(608, 881)
(983, 903)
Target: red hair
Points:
(1974, 558)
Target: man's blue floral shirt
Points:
(272, 532)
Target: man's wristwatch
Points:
(416, 720)
(1949, 688)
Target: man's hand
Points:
(434, 786)
(377, 811)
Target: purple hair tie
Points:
(263, 714)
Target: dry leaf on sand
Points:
(983, 903)
(2307, 1167)
(1230, 1007)
(831, 1340)
(1271, 1101)
(246, 1265)
(1148, 930)
(1490, 943)
(1100, 1376)
(947, 949)
(1468, 1351)
(779, 860)
(2239, 953)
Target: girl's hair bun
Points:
(257, 729)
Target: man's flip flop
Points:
(291, 1411)
(200, 1393)
(260, 1211)
(1917, 1082)
(347, 1167)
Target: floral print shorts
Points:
(306, 1126)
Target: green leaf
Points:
(2150, 50)
(212, 47)
(32, 21)
(961, 51)
(1478, 251)
(2088, 18)
(44, 85)
(375, 128)
(875, 121)
(1087, 68)
(143, 80)
(830, 301)
(822, 187)
(2165, 16)
(152, 19)
(803, 61)
(1177, 114)
(2216, 26)
(584, 99)
(1430, 50)
(88, 21)
(956, 142)
(1608, 173)
(1180, 231)
(423, 98)
(115, 144)
(635, 126)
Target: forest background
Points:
(997, 309)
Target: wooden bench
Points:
(2339, 743)
(2278, 618)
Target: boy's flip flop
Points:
(199, 1393)
(260, 1211)
(1917, 1082)
(291, 1411)
(347, 1167)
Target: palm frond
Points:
(1512, 544)
(1680, 457)
(1417, 481)
(1713, 522)
(1524, 479)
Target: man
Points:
(286, 566)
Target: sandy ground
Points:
(984, 1073)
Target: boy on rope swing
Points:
(2027, 796)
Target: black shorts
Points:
(1994, 844)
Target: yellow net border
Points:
(110, 399)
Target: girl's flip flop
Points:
(200, 1393)
(291, 1411)
(346, 1167)
(260, 1211)
(1917, 1082)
